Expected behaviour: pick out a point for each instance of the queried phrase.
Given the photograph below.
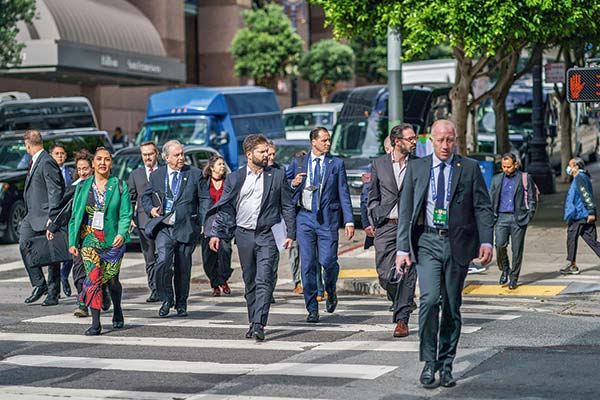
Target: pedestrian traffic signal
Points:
(583, 85)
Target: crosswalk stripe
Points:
(47, 393)
(348, 371)
(228, 324)
(298, 311)
(279, 345)
(12, 266)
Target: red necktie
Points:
(29, 167)
(151, 169)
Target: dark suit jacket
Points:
(522, 214)
(187, 204)
(44, 188)
(276, 204)
(364, 218)
(137, 183)
(335, 204)
(470, 216)
(384, 193)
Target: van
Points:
(220, 117)
(298, 121)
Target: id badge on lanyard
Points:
(98, 218)
(440, 215)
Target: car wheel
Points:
(15, 216)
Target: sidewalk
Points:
(545, 252)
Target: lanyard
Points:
(449, 184)
(174, 190)
(99, 198)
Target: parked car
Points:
(14, 161)
(298, 121)
(285, 150)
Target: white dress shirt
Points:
(171, 220)
(250, 200)
(399, 172)
(307, 195)
(147, 169)
(35, 157)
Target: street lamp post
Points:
(294, 5)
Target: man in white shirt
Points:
(136, 183)
(255, 198)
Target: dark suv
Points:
(14, 161)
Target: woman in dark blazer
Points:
(99, 224)
(217, 266)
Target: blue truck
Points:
(220, 117)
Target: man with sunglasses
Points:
(387, 177)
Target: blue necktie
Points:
(316, 181)
(441, 187)
(175, 183)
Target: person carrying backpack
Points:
(580, 214)
(514, 200)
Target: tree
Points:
(484, 35)
(12, 12)
(326, 63)
(267, 48)
(371, 57)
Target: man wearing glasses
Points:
(387, 177)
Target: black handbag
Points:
(40, 251)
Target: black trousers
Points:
(257, 254)
(149, 250)
(36, 274)
(78, 273)
(507, 227)
(589, 235)
(173, 267)
(217, 266)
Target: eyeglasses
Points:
(410, 139)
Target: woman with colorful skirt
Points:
(99, 226)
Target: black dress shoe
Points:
(446, 379)
(513, 284)
(164, 309)
(427, 377)
(258, 332)
(313, 316)
(50, 301)
(118, 321)
(66, 288)
(153, 298)
(182, 312)
(331, 303)
(503, 277)
(91, 331)
(36, 294)
(249, 332)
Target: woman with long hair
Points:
(100, 226)
(217, 266)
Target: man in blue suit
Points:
(321, 192)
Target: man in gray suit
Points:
(387, 176)
(445, 221)
(255, 198)
(44, 189)
(137, 182)
(513, 205)
(174, 198)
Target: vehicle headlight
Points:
(3, 188)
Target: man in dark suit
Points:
(255, 198)
(321, 191)
(137, 182)
(173, 198)
(59, 154)
(44, 189)
(387, 176)
(514, 206)
(445, 221)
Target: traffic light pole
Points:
(395, 106)
(539, 167)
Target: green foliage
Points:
(371, 57)
(267, 48)
(12, 11)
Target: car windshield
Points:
(302, 121)
(45, 116)
(186, 131)
(13, 155)
(284, 153)
(360, 137)
(519, 106)
(124, 164)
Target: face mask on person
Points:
(569, 170)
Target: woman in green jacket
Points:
(99, 224)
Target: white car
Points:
(298, 121)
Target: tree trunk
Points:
(501, 115)
(566, 148)
(459, 95)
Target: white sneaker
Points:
(475, 269)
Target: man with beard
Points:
(387, 176)
(255, 198)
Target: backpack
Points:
(524, 176)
